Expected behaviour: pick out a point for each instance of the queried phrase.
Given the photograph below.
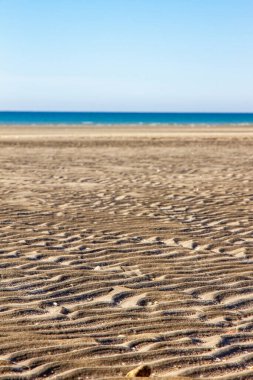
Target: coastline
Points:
(124, 129)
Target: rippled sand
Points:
(121, 247)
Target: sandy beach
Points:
(123, 246)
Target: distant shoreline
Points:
(19, 132)
(128, 125)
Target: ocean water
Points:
(124, 118)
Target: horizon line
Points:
(128, 112)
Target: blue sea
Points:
(124, 118)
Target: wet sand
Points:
(126, 246)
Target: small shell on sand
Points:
(141, 371)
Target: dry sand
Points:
(122, 247)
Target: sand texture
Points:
(121, 248)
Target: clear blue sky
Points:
(126, 55)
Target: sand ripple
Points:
(116, 253)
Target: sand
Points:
(121, 247)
